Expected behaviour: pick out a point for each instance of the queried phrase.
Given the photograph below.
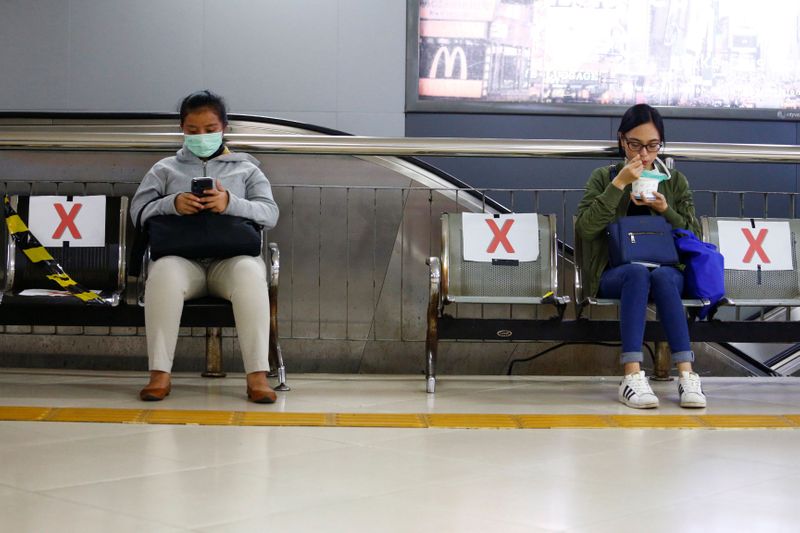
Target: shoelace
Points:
(640, 385)
(691, 383)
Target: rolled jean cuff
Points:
(683, 357)
(631, 357)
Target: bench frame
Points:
(443, 326)
(127, 310)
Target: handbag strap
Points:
(139, 217)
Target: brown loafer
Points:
(261, 395)
(154, 394)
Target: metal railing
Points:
(18, 138)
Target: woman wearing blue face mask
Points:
(241, 189)
(608, 197)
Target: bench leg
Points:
(275, 354)
(661, 364)
(432, 337)
(280, 369)
(213, 354)
(431, 347)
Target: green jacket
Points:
(603, 203)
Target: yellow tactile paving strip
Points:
(396, 420)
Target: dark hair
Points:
(204, 99)
(636, 116)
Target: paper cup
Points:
(645, 187)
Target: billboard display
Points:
(694, 57)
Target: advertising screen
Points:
(694, 57)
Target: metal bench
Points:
(105, 269)
(759, 288)
(584, 300)
(101, 268)
(456, 281)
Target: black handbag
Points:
(642, 239)
(204, 235)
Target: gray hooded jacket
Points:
(250, 195)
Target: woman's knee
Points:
(168, 274)
(666, 277)
(636, 274)
(240, 277)
(249, 269)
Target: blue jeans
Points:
(633, 285)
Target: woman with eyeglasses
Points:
(608, 197)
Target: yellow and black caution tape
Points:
(37, 254)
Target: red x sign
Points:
(499, 231)
(755, 245)
(500, 236)
(79, 221)
(67, 221)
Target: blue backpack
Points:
(704, 275)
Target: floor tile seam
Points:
(432, 506)
(785, 468)
(78, 440)
(242, 462)
(687, 501)
(199, 527)
(472, 512)
(335, 503)
(62, 499)
(28, 491)
(330, 502)
(86, 439)
(497, 468)
(44, 490)
(645, 509)
(466, 462)
(350, 443)
(759, 483)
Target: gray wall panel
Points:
(140, 55)
(272, 54)
(374, 124)
(339, 64)
(372, 62)
(34, 60)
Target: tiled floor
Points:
(138, 477)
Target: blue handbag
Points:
(704, 272)
(642, 239)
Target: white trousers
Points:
(241, 279)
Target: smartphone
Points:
(201, 184)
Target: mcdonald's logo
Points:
(449, 62)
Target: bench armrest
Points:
(274, 264)
(435, 303)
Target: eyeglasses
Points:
(636, 146)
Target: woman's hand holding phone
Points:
(187, 203)
(215, 200)
(202, 198)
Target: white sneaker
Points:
(690, 390)
(635, 391)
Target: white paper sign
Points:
(768, 245)
(486, 237)
(81, 222)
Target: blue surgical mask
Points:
(203, 144)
